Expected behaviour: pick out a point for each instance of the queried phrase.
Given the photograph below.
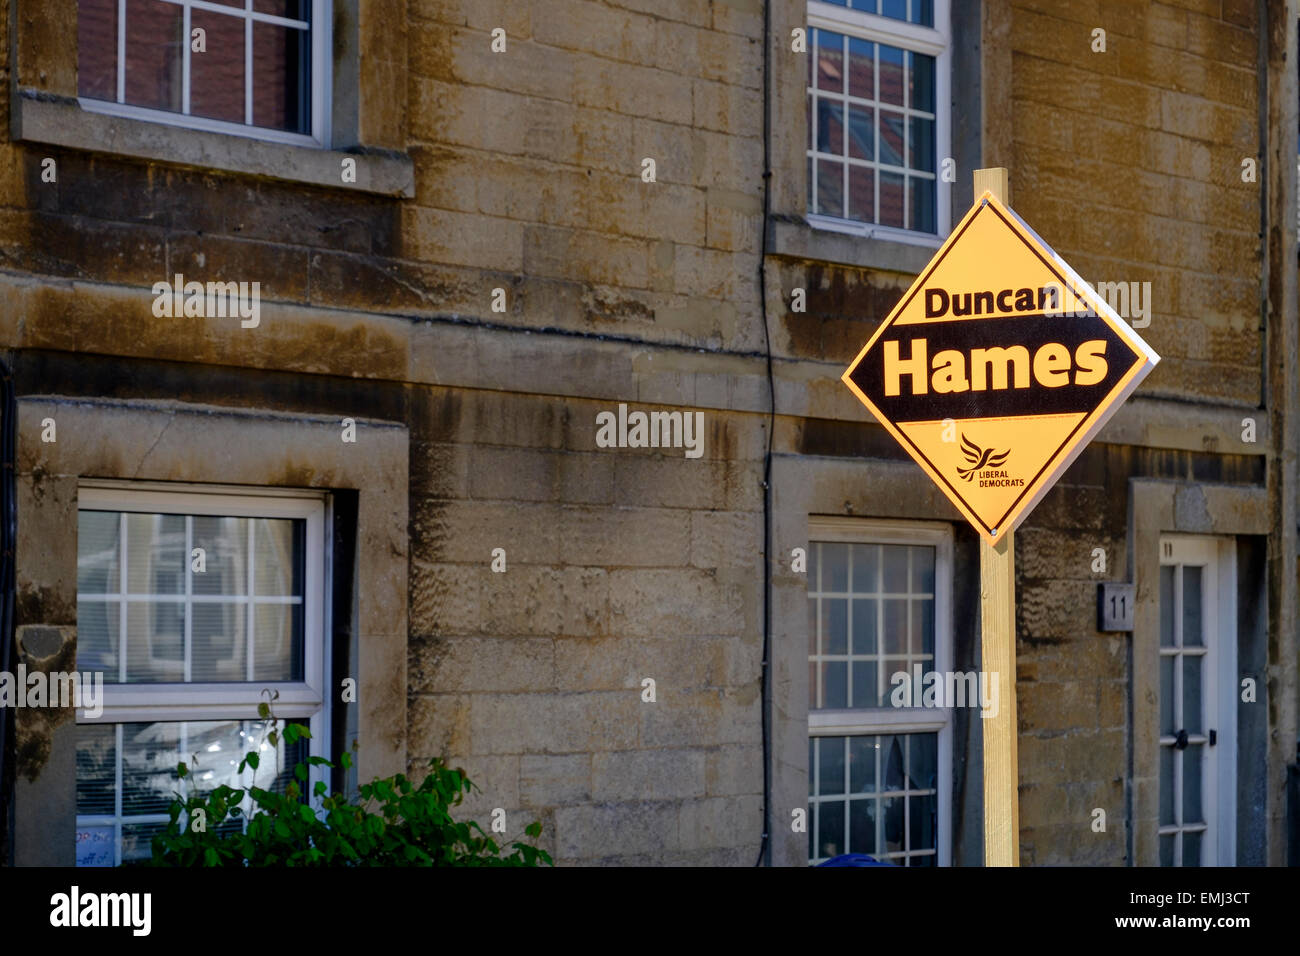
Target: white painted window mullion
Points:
(251, 614)
(188, 609)
(185, 59)
(122, 616)
(248, 64)
(121, 51)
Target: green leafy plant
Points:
(395, 822)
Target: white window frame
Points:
(195, 702)
(320, 82)
(932, 41)
(896, 720)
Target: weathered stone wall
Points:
(625, 564)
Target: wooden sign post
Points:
(998, 653)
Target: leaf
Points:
(182, 770)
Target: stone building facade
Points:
(464, 257)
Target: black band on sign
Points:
(1031, 332)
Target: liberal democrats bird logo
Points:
(979, 458)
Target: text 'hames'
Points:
(998, 364)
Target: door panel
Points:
(1197, 655)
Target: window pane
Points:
(891, 761)
(1167, 609)
(155, 554)
(830, 829)
(921, 193)
(98, 623)
(862, 137)
(862, 68)
(895, 636)
(1192, 636)
(895, 563)
(923, 628)
(864, 627)
(1192, 702)
(835, 690)
(159, 610)
(96, 768)
(862, 194)
(1192, 812)
(891, 139)
(219, 646)
(862, 826)
(923, 761)
(1167, 695)
(155, 642)
(278, 553)
(154, 45)
(865, 685)
(923, 12)
(891, 75)
(97, 49)
(923, 570)
(893, 811)
(98, 552)
(225, 543)
(894, 9)
(277, 644)
(1192, 849)
(217, 74)
(921, 72)
(891, 200)
(147, 767)
(1167, 786)
(137, 840)
(862, 763)
(835, 626)
(921, 145)
(830, 61)
(830, 188)
(830, 126)
(832, 766)
(280, 66)
(866, 568)
(150, 753)
(922, 814)
(835, 567)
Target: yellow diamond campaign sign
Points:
(997, 367)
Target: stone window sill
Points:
(60, 121)
(798, 239)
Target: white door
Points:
(1198, 657)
